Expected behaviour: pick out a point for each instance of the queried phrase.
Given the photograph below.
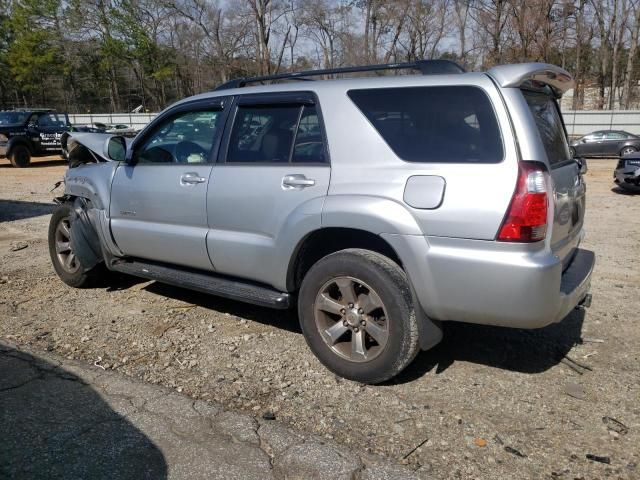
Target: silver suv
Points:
(380, 206)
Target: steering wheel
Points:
(186, 148)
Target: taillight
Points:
(526, 219)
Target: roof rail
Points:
(426, 67)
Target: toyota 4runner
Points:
(379, 206)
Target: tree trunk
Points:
(626, 87)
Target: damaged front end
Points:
(85, 241)
(87, 186)
(80, 148)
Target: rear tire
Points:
(357, 315)
(65, 263)
(627, 151)
(20, 156)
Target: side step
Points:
(203, 282)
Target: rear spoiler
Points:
(558, 79)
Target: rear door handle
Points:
(191, 178)
(297, 181)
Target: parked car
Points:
(627, 173)
(31, 132)
(605, 143)
(379, 206)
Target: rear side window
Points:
(547, 117)
(434, 124)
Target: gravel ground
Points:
(485, 403)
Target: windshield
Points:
(545, 113)
(13, 118)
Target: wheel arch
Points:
(324, 241)
(19, 140)
(632, 145)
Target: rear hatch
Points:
(568, 194)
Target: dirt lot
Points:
(486, 403)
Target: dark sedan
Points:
(606, 143)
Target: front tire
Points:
(20, 156)
(357, 315)
(63, 258)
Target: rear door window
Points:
(454, 124)
(276, 134)
(547, 117)
(309, 146)
(263, 134)
(616, 136)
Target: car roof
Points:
(504, 75)
(610, 131)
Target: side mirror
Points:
(582, 164)
(117, 149)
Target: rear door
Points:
(272, 178)
(568, 185)
(613, 142)
(158, 201)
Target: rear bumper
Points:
(492, 283)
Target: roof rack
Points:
(426, 67)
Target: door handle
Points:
(297, 181)
(191, 178)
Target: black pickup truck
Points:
(31, 132)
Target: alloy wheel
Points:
(351, 319)
(66, 257)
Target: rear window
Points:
(434, 124)
(549, 123)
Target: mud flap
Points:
(429, 331)
(84, 238)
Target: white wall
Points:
(135, 120)
(578, 122)
(582, 122)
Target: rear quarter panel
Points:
(476, 196)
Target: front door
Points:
(269, 185)
(158, 202)
(46, 129)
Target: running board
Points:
(203, 282)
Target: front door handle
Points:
(297, 181)
(191, 178)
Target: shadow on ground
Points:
(622, 191)
(35, 163)
(54, 426)
(517, 350)
(526, 351)
(284, 319)
(17, 209)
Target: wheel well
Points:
(17, 142)
(322, 242)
